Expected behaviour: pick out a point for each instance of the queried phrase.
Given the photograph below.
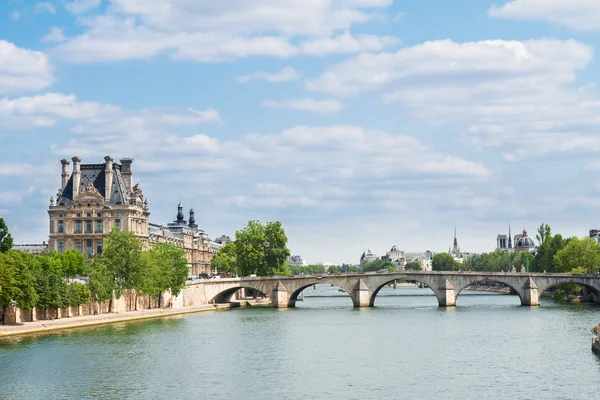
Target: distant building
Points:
(455, 250)
(521, 241)
(295, 261)
(595, 234)
(31, 248)
(95, 198)
(367, 257)
(396, 257)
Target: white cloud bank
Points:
(209, 31)
(575, 14)
(23, 70)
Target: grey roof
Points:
(96, 175)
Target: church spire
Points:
(192, 223)
(509, 237)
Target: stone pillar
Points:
(280, 296)
(108, 171)
(58, 313)
(80, 310)
(126, 173)
(65, 173)
(360, 295)
(447, 294)
(33, 314)
(76, 175)
(531, 296)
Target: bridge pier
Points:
(280, 298)
(360, 295)
(530, 296)
(446, 294)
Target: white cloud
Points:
(45, 7)
(504, 91)
(22, 69)
(208, 31)
(15, 15)
(306, 104)
(82, 6)
(55, 35)
(286, 74)
(575, 14)
(16, 169)
(47, 110)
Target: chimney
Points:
(223, 240)
(126, 173)
(76, 175)
(65, 173)
(108, 171)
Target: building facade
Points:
(295, 261)
(522, 242)
(95, 198)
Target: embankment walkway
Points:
(102, 319)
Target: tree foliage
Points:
(123, 257)
(582, 254)
(378, 265)
(543, 232)
(6, 240)
(224, 261)
(261, 249)
(413, 266)
(443, 262)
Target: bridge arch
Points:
(515, 289)
(226, 295)
(586, 282)
(431, 284)
(296, 292)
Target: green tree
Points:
(17, 281)
(6, 240)
(413, 266)
(73, 263)
(175, 265)
(78, 293)
(122, 256)
(578, 253)
(50, 283)
(544, 257)
(378, 265)
(261, 249)
(101, 281)
(224, 261)
(543, 232)
(443, 262)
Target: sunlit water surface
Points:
(488, 347)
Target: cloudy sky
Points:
(356, 123)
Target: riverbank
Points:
(104, 319)
(494, 289)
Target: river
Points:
(406, 347)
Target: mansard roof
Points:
(95, 174)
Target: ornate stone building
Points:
(91, 201)
(95, 198)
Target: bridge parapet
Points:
(364, 287)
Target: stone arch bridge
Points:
(283, 291)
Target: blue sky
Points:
(356, 123)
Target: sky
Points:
(356, 123)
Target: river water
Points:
(406, 347)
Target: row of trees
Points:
(258, 248)
(47, 280)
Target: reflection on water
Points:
(404, 348)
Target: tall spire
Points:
(509, 237)
(180, 219)
(192, 223)
(455, 248)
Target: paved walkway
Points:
(92, 320)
